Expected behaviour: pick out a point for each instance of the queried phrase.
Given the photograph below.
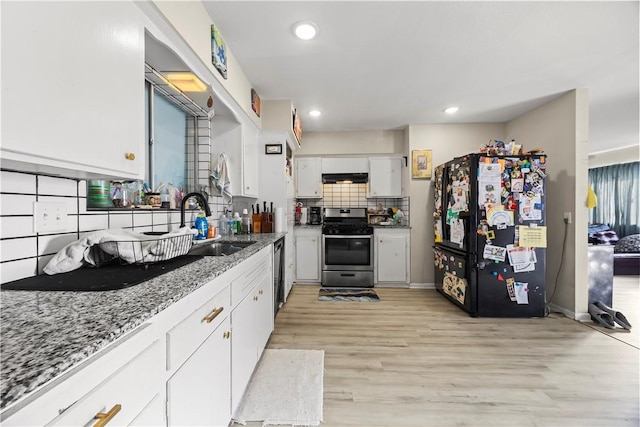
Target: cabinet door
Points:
(392, 258)
(90, 106)
(198, 394)
(126, 393)
(309, 177)
(265, 312)
(385, 177)
(153, 414)
(308, 257)
(244, 355)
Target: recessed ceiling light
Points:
(305, 30)
(315, 113)
(451, 110)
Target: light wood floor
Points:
(414, 359)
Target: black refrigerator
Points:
(490, 234)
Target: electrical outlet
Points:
(567, 217)
(49, 217)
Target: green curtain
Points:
(617, 188)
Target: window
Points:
(170, 144)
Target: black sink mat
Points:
(105, 278)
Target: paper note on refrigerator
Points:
(535, 237)
(521, 255)
(457, 231)
(522, 292)
(496, 253)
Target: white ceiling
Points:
(387, 64)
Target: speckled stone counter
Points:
(44, 333)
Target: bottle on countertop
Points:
(236, 223)
(246, 222)
(202, 227)
(223, 225)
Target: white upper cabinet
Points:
(73, 100)
(308, 173)
(385, 177)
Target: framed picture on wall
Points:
(218, 51)
(421, 164)
(255, 102)
(273, 149)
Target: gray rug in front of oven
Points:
(348, 294)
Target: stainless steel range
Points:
(347, 248)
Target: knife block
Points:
(256, 219)
(267, 223)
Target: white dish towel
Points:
(139, 247)
(221, 178)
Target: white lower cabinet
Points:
(392, 255)
(122, 397)
(251, 326)
(198, 394)
(188, 365)
(308, 245)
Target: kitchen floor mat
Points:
(348, 294)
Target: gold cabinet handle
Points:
(104, 417)
(261, 292)
(213, 315)
(129, 156)
(255, 298)
(226, 335)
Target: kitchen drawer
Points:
(244, 282)
(186, 336)
(132, 387)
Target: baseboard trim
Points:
(580, 317)
(422, 285)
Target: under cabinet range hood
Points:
(345, 178)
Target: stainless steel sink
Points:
(219, 248)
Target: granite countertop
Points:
(45, 333)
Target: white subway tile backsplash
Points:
(144, 229)
(14, 270)
(12, 249)
(82, 188)
(16, 226)
(160, 218)
(93, 222)
(17, 204)
(48, 245)
(121, 220)
(15, 182)
(142, 219)
(52, 186)
(82, 205)
(174, 217)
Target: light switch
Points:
(49, 217)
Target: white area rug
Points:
(286, 389)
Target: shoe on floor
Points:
(601, 317)
(618, 317)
